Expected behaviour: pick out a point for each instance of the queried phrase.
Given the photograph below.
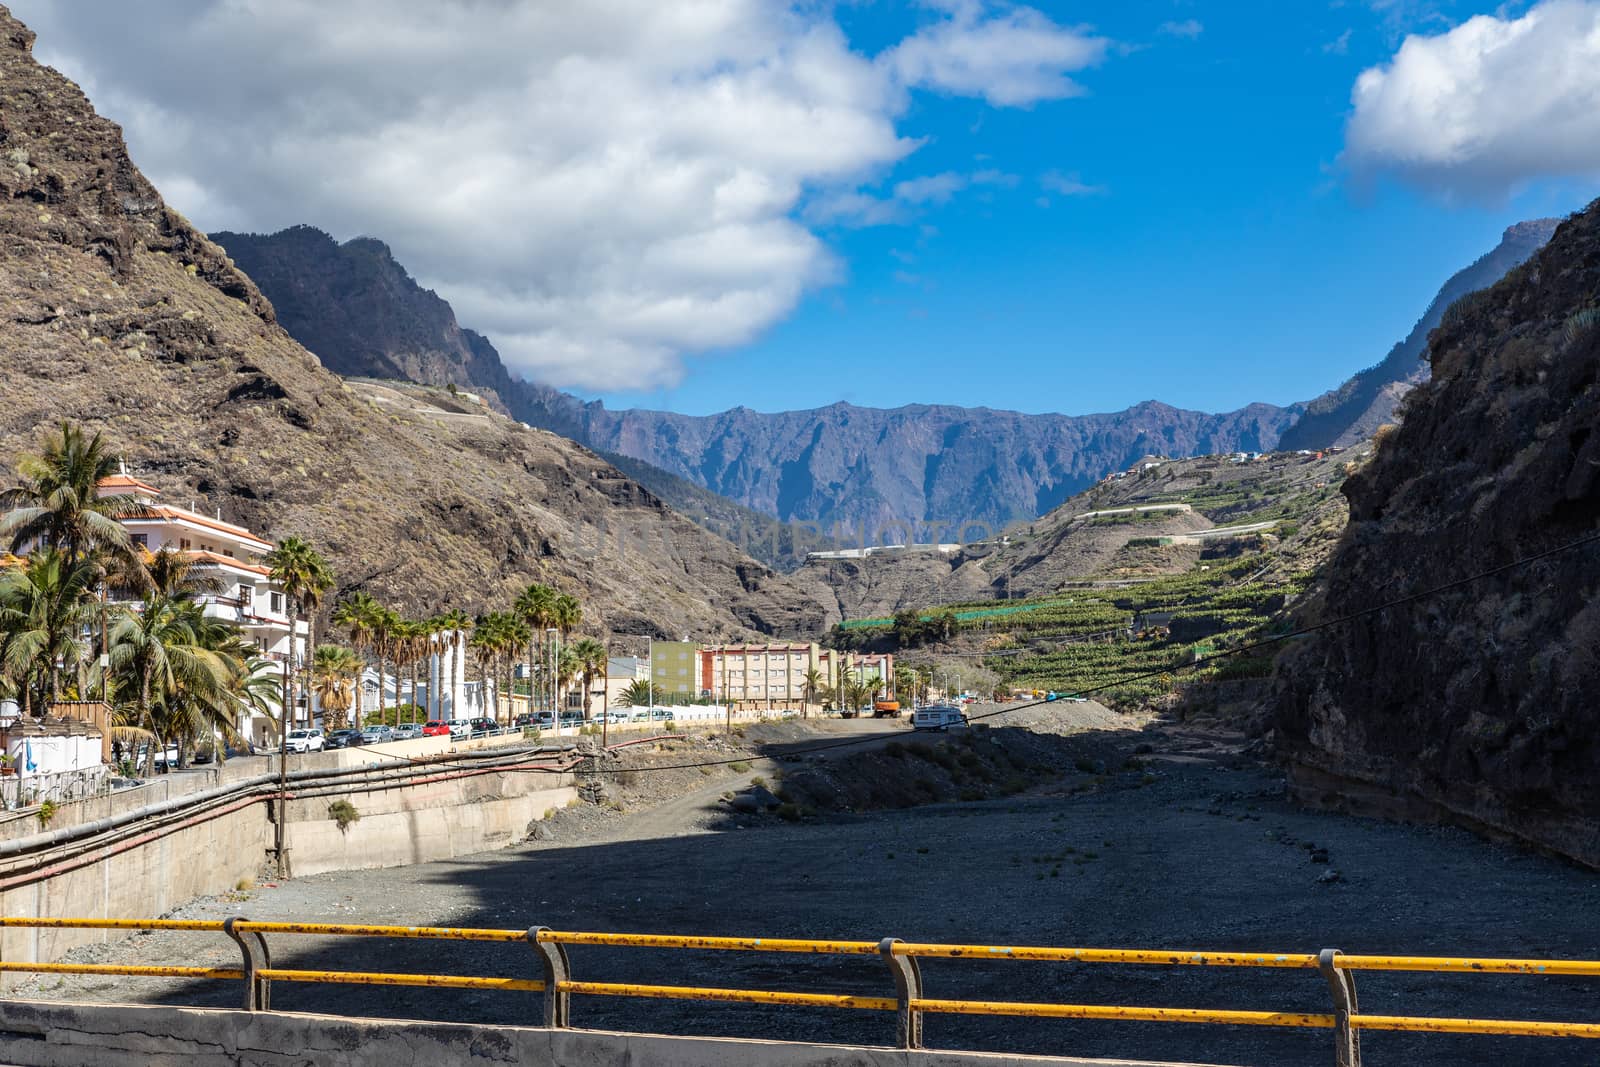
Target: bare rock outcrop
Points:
(1477, 704)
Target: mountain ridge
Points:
(1355, 409)
(122, 317)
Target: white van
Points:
(938, 717)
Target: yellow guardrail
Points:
(557, 984)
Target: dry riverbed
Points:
(1094, 831)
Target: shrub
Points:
(739, 767)
(344, 813)
(47, 811)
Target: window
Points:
(245, 593)
(142, 540)
(277, 603)
(183, 544)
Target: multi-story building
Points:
(870, 668)
(248, 597)
(675, 671)
(760, 676)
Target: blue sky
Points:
(1226, 255)
(1033, 204)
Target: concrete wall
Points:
(34, 1034)
(456, 815)
(445, 814)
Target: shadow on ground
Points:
(1200, 852)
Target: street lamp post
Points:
(550, 651)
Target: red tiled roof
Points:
(126, 482)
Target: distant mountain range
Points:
(848, 470)
(1355, 409)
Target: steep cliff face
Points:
(1355, 410)
(115, 312)
(1477, 703)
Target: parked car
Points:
(344, 739)
(409, 731)
(376, 734)
(660, 714)
(480, 727)
(544, 720)
(460, 729)
(304, 741)
(938, 717)
(435, 728)
(571, 717)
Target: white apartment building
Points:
(248, 596)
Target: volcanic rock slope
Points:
(1356, 409)
(1477, 702)
(117, 313)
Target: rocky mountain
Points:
(845, 467)
(119, 314)
(1475, 703)
(359, 311)
(363, 315)
(1356, 409)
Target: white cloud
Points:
(1068, 184)
(600, 187)
(1339, 46)
(901, 205)
(1015, 58)
(1190, 28)
(1486, 106)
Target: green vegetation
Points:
(344, 813)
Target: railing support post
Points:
(557, 969)
(257, 991)
(1342, 984)
(907, 987)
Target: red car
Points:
(436, 728)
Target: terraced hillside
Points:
(1128, 583)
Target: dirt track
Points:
(1195, 849)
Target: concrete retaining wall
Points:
(447, 814)
(34, 1034)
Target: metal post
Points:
(557, 969)
(907, 987)
(1342, 984)
(257, 991)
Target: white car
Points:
(460, 729)
(938, 717)
(304, 741)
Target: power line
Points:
(1198, 661)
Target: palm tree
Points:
(568, 667)
(385, 628)
(636, 694)
(334, 676)
(45, 606)
(58, 503)
(485, 645)
(161, 654)
(815, 683)
(566, 614)
(180, 574)
(592, 661)
(535, 606)
(304, 576)
(456, 623)
(356, 613)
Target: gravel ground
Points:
(1152, 837)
